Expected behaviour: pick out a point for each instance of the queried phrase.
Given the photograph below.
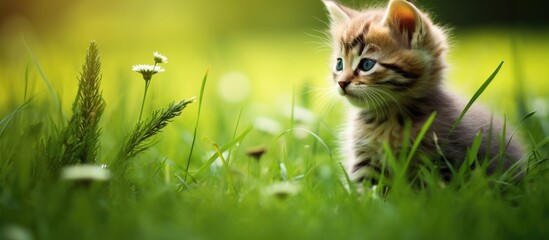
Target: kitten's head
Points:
(385, 56)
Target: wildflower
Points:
(256, 152)
(86, 172)
(147, 70)
(13, 231)
(281, 190)
(267, 125)
(301, 114)
(159, 58)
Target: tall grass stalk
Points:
(228, 173)
(53, 94)
(225, 147)
(416, 144)
(7, 119)
(200, 99)
(475, 96)
(26, 89)
(147, 84)
(82, 133)
(78, 142)
(139, 139)
(234, 133)
(520, 96)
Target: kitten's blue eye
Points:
(366, 64)
(339, 64)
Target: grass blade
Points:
(421, 135)
(418, 140)
(47, 82)
(518, 76)
(27, 68)
(527, 116)
(234, 133)
(470, 158)
(312, 134)
(475, 96)
(350, 184)
(7, 119)
(222, 149)
(292, 110)
(390, 157)
(197, 121)
(502, 143)
(220, 154)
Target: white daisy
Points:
(86, 172)
(281, 190)
(147, 70)
(159, 58)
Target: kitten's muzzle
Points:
(343, 85)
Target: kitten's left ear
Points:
(404, 18)
(339, 14)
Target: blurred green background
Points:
(260, 55)
(259, 51)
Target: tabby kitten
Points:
(389, 64)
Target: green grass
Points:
(154, 195)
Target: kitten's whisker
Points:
(321, 42)
(327, 24)
(392, 98)
(324, 33)
(373, 101)
(318, 89)
(368, 101)
(378, 102)
(320, 46)
(382, 92)
(322, 50)
(323, 38)
(329, 99)
(382, 103)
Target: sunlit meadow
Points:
(255, 155)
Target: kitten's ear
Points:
(339, 14)
(404, 18)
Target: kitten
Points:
(389, 64)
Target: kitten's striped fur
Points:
(405, 84)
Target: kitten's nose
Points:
(343, 84)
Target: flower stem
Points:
(147, 82)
